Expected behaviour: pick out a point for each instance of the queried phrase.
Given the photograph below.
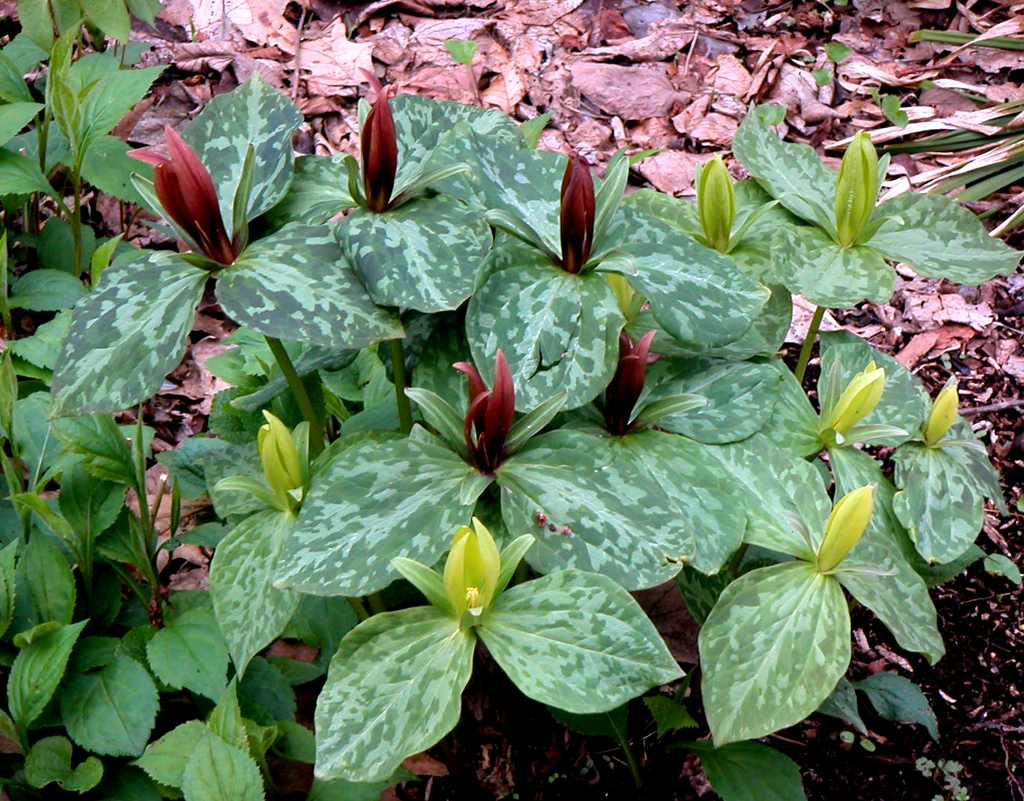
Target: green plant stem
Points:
(376, 603)
(634, 768)
(805, 349)
(358, 608)
(76, 220)
(737, 559)
(316, 428)
(401, 399)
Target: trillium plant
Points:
(479, 395)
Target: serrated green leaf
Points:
(423, 255)
(669, 715)
(217, 771)
(21, 176)
(296, 284)
(393, 689)
(127, 335)
(49, 761)
(251, 611)
(46, 290)
(97, 438)
(750, 772)
(266, 696)
(599, 724)
(111, 17)
(939, 238)
(14, 116)
(344, 541)
(190, 653)
(772, 650)
(576, 641)
(165, 760)
(112, 710)
(13, 88)
(46, 586)
(109, 99)
(7, 584)
(37, 671)
(899, 699)
(558, 331)
(254, 114)
(108, 167)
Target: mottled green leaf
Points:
(900, 598)
(254, 114)
(791, 172)
(741, 396)
(127, 335)
(749, 772)
(37, 671)
(380, 498)
(423, 255)
(772, 650)
(217, 771)
(189, 652)
(318, 191)
(393, 689)
(576, 641)
(793, 424)
(112, 710)
(897, 698)
(251, 611)
(939, 238)
(296, 284)
(558, 331)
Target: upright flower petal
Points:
(379, 145)
(490, 414)
(577, 214)
(846, 525)
(628, 382)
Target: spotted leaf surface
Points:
(317, 192)
(559, 332)
(808, 261)
(941, 497)
(380, 498)
(772, 650)
(253, 114)
(634, 509)
(297, 284)
(672, 271)
(939, 238)
(576, 641)
(899, 599)
(424, 255)
(250, 610)
(793, 424)
(393, 689)
(127, 335)
(791, 172)
(741, 396)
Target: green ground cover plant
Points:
(627, 422)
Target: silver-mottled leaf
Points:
(380, 498)
(318, 191)
(576, 641)
(772, 649)
(393, 689)
(793, 424)
(296, 284)
(127, 335)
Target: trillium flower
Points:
(716, 204)
(858, 400)
(379, 147)
(577, 215)
(942, 414)
(490, 414)
(472, 569)
(186, 192)
(845, 527)
(856, 189)
(628, 382)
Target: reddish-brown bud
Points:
(379, 145)
(185, 190)
(628, 382)
(490, 414)
(577, 214)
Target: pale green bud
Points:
(856, 189)
(280, 459)
(472, 570)
(716, 204)
(845, 526)
(942, 414)
(858, 400)
(624, 293)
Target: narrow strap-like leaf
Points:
(520, 229)
(511, 555)
(425, 580)
(440, 414)
(674, 404)
(610, 194)
(417, 183)
(532, 422)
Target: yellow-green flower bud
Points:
(624, 293)
(280, 459)
(942, 414)
(845, 526)
(858, 400)
(471, 572)
(716, 204)
(856, 189)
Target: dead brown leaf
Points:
(633, 93)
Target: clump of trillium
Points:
(185, 191)
(372, 714)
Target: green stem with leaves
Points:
(316, 426)
(805, 349)
(401, 399)
(76, 219)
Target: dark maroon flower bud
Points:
(628, 382)
(380, 151)
(577, 216)
(186, 192)
(490, 414)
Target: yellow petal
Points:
(846, 525)
(942, 414)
